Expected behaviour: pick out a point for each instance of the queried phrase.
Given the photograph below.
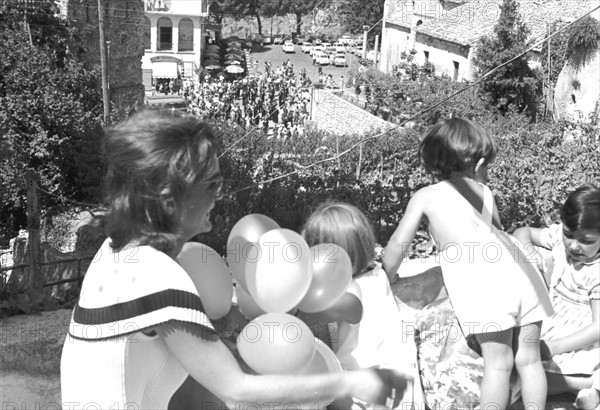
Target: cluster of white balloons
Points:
(276, 273)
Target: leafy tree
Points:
(237, 9)
(357, 13)
(220, 9)
(301, 9)
(575, 45)
(515, 85)
(50, 112)
(582, 44)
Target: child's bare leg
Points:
(529, 366)
(496, 349)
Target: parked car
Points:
(288, 47)
(315, 48)
(329, 48)
(339, 48)
(257, 38)
(358, 50)
(345, 40)
(306, 46)
(321, 58)
(267, 40)
(300, 40)
(339, 60)
(278, 39)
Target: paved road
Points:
(277, 57)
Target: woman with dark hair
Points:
(139, 327)
(571, 337)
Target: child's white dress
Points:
(490, 281)
(572, 287)
(380, 338)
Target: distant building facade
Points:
(174, 36)
(445, 33)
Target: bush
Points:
(534, 171)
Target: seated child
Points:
(570, 342)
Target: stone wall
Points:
(334, 114)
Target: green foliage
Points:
(515, 86)
(558, 53)
(285, 180)
(50, 111)
(583, 41)
(357, 13)
(575, 45)
(404, 97)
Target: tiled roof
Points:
(467, 23)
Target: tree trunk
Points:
(259, 23)
(298, 23)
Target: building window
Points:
(186, 35)
(147, 34)
(455, 76)
(426, 53)
(165, 34)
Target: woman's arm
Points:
(400, 243)
(580, 339)
(211, 364)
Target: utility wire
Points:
(363, 140)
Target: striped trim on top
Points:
(135, 315)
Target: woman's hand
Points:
(378, 386)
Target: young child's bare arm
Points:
(527, 235)
(400, 242)
(580, 339)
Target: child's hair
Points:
(346, 226)
(153, 158)
(455, 145)
(581, 210)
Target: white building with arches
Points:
(175, 35)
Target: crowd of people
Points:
(276, 101)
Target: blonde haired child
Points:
(375, 339)
(496, 294)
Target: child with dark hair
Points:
(571, 337)
(499, 298)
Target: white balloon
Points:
(242, 245)
(283, 272)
